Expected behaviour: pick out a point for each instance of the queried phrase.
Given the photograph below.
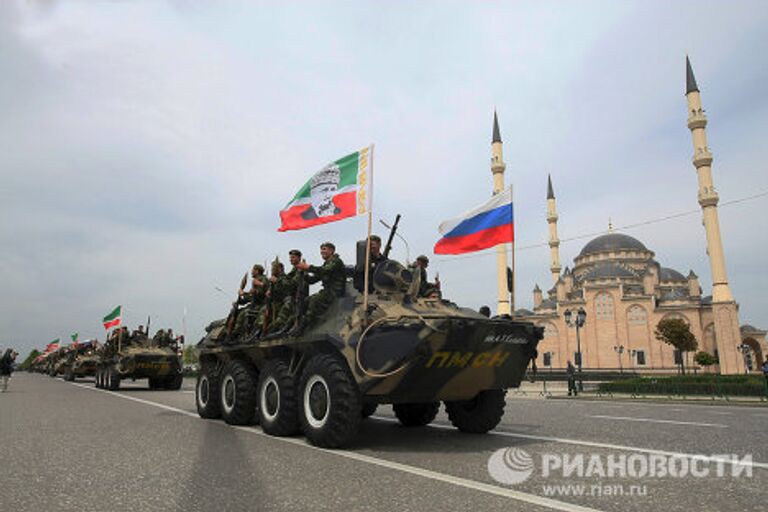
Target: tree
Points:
(190, 355)
(704, 358)
(675, 332)
(28, 361)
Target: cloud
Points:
(145, 147)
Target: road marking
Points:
(404, 468)
(721, 413)
(593, 444)
(651, 420)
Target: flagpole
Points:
(368, 238)
(514, 270)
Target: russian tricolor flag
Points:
(486, 226)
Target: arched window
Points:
(604, 306)
(636, 315)
(550, 330)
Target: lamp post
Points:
(619, 350)
(578, 323)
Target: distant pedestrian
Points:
(571, 371)
(765, 373)
(6, 368)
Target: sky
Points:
(146, 147)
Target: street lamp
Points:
(744, 349)
(578, 322)
(619, 350)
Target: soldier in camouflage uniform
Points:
(251, 301)
(274, 296)
(295, 290)
(333, 276)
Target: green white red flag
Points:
(75, 337)
(339, 190)
(114, 318)
(52, 346)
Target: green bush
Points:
(730, 385)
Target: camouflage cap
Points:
(328, 245)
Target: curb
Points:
(695, 401)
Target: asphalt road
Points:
(72, 447)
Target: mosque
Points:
(625, 292)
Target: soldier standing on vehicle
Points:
(333, 276)
(274, 296)
(376, 259)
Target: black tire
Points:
(97, 379)
(237, 392)
(207, 394)
(174, 382)
(276, 398)
(330, 405)
(368, 409)
(416, 415)
(69, 376)
(113, 379)
(155, 383)
(479, 415)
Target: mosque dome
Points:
(670, 274)
(612, 242)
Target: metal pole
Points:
(578, 351)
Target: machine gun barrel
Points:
(392, 232)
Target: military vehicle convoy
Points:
(402, 349)
(138, 357)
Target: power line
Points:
(492, 252)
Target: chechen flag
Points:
(339, 190)
(483, 227)
(54, 345)
(114, 318)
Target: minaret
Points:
(497, 168)
(726, 317)
(554, 241)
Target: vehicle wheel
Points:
(207, 394)
(238, 393)
(479, 415)
(97, 379)
(69, 376)
(331, 409)
(368, 409)
(416, 415)
(113, 379)
(155, 383)
(277, 404)
(174, 382)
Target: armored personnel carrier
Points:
(79, 361)
(411, 352)
(138, 357)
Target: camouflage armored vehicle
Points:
(79, 361)
(404, 350)
(135, 357)
(53, 361)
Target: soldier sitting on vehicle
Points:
(421, 264)
(333, 276)
(295, 290)
(376, 259)
(251, 302)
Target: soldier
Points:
(333, 276)
(274, 296)
(422, 262)
(376, 259)
(295, 294)
(251, 301)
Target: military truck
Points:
(402, 349)
(138, 357)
